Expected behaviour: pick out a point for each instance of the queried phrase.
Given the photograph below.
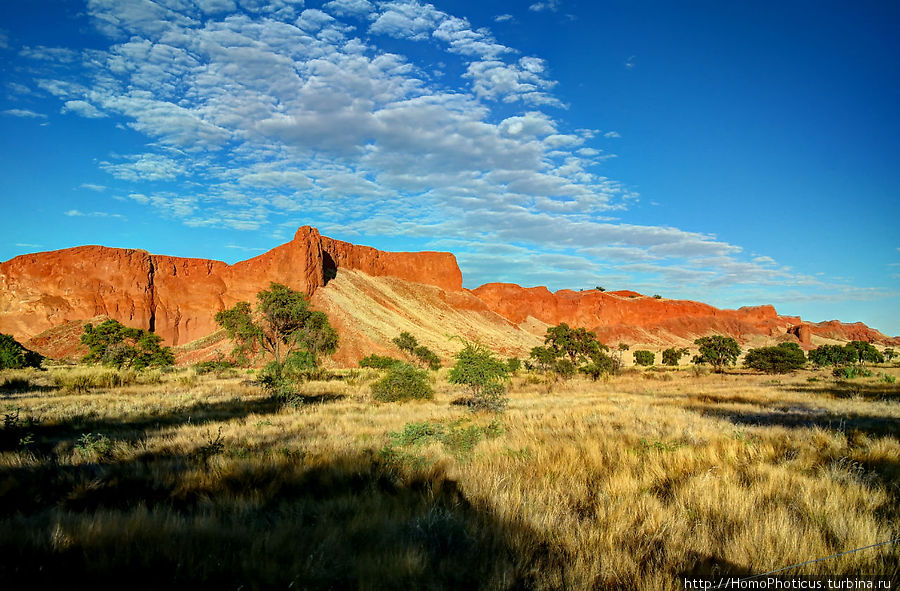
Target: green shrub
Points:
(784, 358)
(377, 361)
(642, 357)
(852, 371)
(513, 364)
(478, 369)
(829, 355)
(403, 382)
(218, 367)
(887, 378)
(14, 356)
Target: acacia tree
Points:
(280, 325)
(718, 351)
(672, 355)
(113, 343)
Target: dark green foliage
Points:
(717, 351)
(428, 357)
(598, 288)
(219, 367)
(672, 355)
(643, 357)
(656, 296)
(543, 358)
(377, 361)
(829, 355)
(403, 382)
(484, 374)
(852, 371)
(863, 352)
(416, 352)
(14, 356)
(513, 364)
(406, 343)
(784, 358)
(281, 324)
(578, 344)
(600, 364)
(565, 369)
(112, 343)
(888, 353)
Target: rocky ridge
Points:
(370, 295)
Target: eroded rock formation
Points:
(369, 294)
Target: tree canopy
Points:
(112, 343)
(784, 358)
(280, 325)
(14, 355)
(717, 351)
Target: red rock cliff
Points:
(179, 297)
(629, 315)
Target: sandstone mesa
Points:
(369, 295)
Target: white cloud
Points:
(26, 113)
(83, 108)
(612, 134)
(504, 18)
(94, 214)
(349, 7)
(92, 187)
(280, 112)
(149, 167)
(551, 5)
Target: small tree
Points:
(601, 364)
(784, 358)
(642, 357)
(578, 344)
(513, 365)
(717, 351)
(862, 352)
(483, 374)
(672, 355)
(421, 354)
(283, 326)
(112, 343)
(888, 353)
(406, 343)
(15, 356)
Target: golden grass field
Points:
(179, 480)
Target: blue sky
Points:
(736, 153)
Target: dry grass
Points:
(629, 483)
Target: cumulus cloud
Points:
(83, 108)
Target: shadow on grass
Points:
(353, 521)
(846, 389)
(804, 417)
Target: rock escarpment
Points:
(178, 297)
(370, 296)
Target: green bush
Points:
(377, 361)
(218, 367)
(403, 382)
(513, 364)
(642, 357)
(784, 358)
(852, 371)
(485, 376)
(14, 356)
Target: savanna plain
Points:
(181, 479)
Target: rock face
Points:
(370, 296)
(628, 315)
(178, 297)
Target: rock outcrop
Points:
(178, 297)
(370, 296)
